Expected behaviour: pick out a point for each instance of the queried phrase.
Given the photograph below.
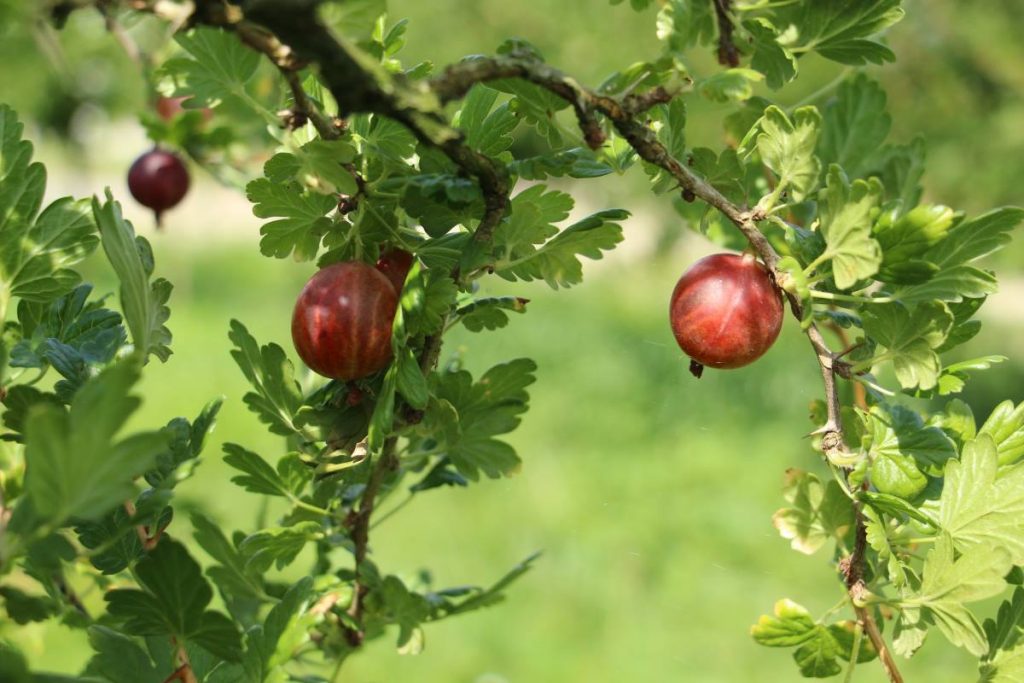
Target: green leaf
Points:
(876, 533)
(902, 449)
(981, 507)
(787, 148)
(278, 546)
(319, 165)
(233, 576)
(468, 415)
(186, 443)
(286, 627)
(535, 105)
(36, 249)
(217, 68)
(670, 123)
(817, 657)
(948, 584)
(172, 602)
(23, 608)
(411, 383)
(844, 634)
(477, 598)
(529, 246)
(790, 626)
(427, 298)
(486, 130)
(682, 24)
(847, 214)
(93, 331)
(909, 339)
(301, 213)
(775, 61)
(730, 85)
(577, 162)
(119, 659)
(75, 467)
(489, 313)
(277, 396)
(952, 284)
(115, 532)
(144, 304)
(1004, 662)
(843, 31)
(973, 239)
(257, 476)
(855, 125)
(1005, 425)
(818, 513)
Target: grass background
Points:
(649, 492)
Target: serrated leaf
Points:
(787, 147)
(948, 583)
(855, 125)
(487, 128)
(75, 465)
(1004, 662)
(257, 476)
(577, 162)
(427, 298)
(847, 214)
(489, 313)
(36, 248)
(480, 411)
(909, 338)
(143, 303)
(681, 24)
(301, 216)
(277, 396)
(772, 59)
(119, 659)
(671, 129)
(232, 575)
(529, 246)
(186, 442)
(1005, 425)
(278, 546)
(952, 285)
(818, 512)
(843, 31)
(93, 331)
(172, 601)
(218, 67)
(973, 239)
(902, 449)
(410, 382)
(981, 507)
(790, 626)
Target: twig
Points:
(728, 54)
(386, 463)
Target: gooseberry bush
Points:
(918, 515)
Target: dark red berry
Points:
(158, 180)
(395, 264)
(341, 326)
(726, 311)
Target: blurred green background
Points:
(649, 492)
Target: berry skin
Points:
(158, 180)
(342, 321)
(725, 311)
(395, 264)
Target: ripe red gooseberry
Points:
(395, 264)
(158, 180)
(725, 311)
(342, 321)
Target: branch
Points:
(361, 85)
(728, 54)
(386, 464)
